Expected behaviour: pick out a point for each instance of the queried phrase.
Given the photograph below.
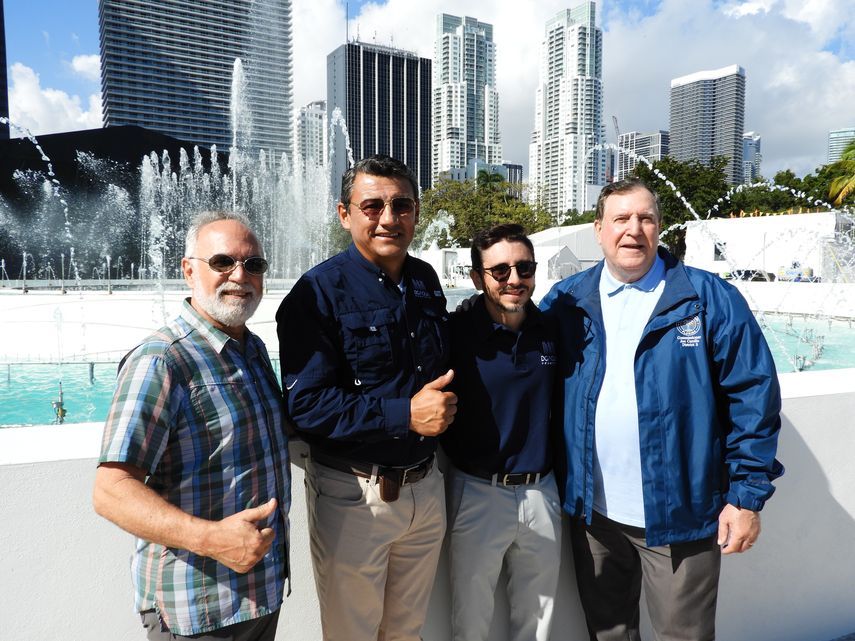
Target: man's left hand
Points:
(738, 529)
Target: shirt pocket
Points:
(434, 338)
(368, 345)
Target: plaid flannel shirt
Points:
(204, 419)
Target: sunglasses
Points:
(225, 264)
(373, 208)
(502, 271)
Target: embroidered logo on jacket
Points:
(689, 332)
(419, 289)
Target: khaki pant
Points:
(680, 582)
(489, 525)
(374, 562)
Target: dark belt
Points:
(400, 475)
(514, 478)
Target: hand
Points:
(738, 529)
(237, 542)
(431, 409)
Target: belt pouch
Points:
(390, 488)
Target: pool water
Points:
(28, 390)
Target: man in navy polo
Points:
(502, 496)
(363, 339)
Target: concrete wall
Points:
(65, 572)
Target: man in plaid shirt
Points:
(194, 460)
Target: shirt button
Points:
(412, 334)
(418, 368)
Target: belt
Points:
(400, 475)
(513, 478)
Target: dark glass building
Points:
(384, 96)
(167, 65)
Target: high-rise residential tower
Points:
(167, 65)
(837, 141)
(653, 146)
(465, 99)
(311, 134)
(383, 95)
(568, 122)
(708, 118)
(4, 86)
(751, 157)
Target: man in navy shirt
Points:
(363, 340)
(503, 500)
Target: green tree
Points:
(843, 185)
(453, 212)
(700, 185)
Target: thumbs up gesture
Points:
(431, 409)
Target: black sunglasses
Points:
(502, 271)
(225, 264)
(402, 206)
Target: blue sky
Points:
(799, 58)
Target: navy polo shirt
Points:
(355, 349)
(504, 383)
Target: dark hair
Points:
(377, 165)
(486, 238)
(622, 187)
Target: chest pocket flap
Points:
(368, 341)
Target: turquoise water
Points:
(27, 390)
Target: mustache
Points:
(511, 288)
(228, 288)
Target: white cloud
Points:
(88, 66)
(45, 110)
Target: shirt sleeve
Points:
(749, 395)
(313, 381)
(138, 425)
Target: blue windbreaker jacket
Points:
(708, 400)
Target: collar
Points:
(217, 338)
(353, 253)
(486, 327)
(610, 286)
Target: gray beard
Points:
(231, 314)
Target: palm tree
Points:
(843, 185)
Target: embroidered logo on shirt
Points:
(689, 332)
(419, 289)
(548, 356)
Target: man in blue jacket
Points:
(671, 417)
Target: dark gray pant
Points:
(680, 583)
(260, 629)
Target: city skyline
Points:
(801, 63)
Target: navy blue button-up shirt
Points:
(504, 382)
(355, 349)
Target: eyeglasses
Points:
(225, 264)
(502, 271)
(373, 208)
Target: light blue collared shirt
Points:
(617, 456)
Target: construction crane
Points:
(617, 129)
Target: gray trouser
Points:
(260, 629)
(680, 583)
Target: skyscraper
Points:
(167, 65)
(568, 121)
(837, 141)
(751, 157)
(311, 133)
(708, 118)
(653, 146)
(383, 95)
(465, 99)
(4, 86)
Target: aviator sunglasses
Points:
(502, 271)
(401, 206)
(225, 264)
